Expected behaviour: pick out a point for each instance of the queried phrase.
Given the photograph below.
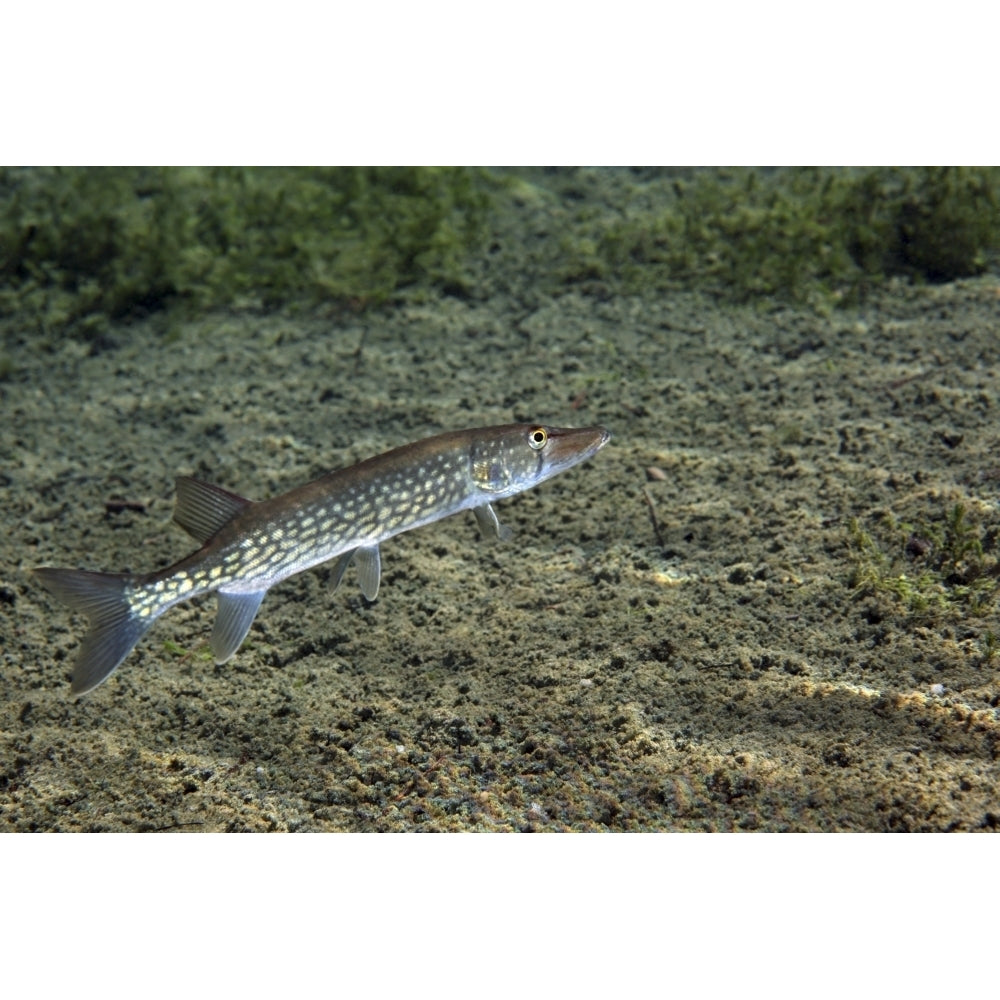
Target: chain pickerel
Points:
(247, 547)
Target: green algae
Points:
(813, 236)
(82, 247)
(944, 565)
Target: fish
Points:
(249, 546)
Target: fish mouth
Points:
(603, 436)
(569, 446)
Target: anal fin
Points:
(236, 615)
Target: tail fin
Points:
(114, 628)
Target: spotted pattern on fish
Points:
(247, 547)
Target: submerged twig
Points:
(653, 518)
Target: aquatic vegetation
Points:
(81, 247)
(938, 567)
(812, 236)
(990, 645)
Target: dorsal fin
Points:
(202, 509)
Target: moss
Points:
(809, 235)
(990, 645)
(81, 247)
(931, 223)
(942, 566)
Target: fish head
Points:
(506, 460)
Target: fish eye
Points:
(537, 437)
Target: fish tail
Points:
(115, 627)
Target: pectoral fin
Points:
(236, 615)
(489, 523)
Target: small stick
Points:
(359, 350)
(654, 518)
